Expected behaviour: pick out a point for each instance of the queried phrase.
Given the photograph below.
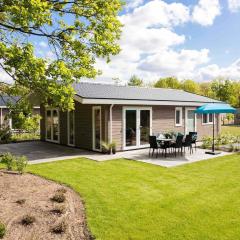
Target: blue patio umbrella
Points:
(215, 108)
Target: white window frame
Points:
(207, 123)
(181, 116)
(186, 114)
(51, 140)
(138, 144)
(93, 128)
(68, 129)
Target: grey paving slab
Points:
(40, 152)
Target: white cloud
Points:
(212, 71)
(180, 63)
(206, 11)
(157, 13)
(234, 5)
(149, 41)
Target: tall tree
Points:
(169, 82)
(205, 89)
(190, 86)
(135, 81)
(76, 31)
(223, 90)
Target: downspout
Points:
(110, 123)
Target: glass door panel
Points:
(144, 126)
(52, 125)
(55, 125)
(190, 121)
(97, 128)
(49, 125)
(71, 131)
(131, 128)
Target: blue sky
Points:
(189, 39)
(222, 38)
(197, 39)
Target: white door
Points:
(191, 121)
(137, 125)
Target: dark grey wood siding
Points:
(83, 126)
(63, 126)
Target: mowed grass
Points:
(233, 130)
(132, 200)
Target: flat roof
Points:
(99, 91)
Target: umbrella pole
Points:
(213, 144)
(213, 141)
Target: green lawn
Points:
(132, 200)
(233, 130)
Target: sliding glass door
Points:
(144, 126)
(137, 127)
(131, 128)
(52, 125)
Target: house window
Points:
(207, 118)
(178, 116)
(210, 118)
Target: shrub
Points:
(58, 210)
(21, 163)
(59, 228)
(207, 142)
(28, 220)
(59, 198)
(2, 230)
(5, 135)
(62, 190)
(9, 160)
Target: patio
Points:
(39, 152)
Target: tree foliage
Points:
(22, 116)
(169, 82)
(220, 88)
(135, 81)
(190, 86)
(76, 31)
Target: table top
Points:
(166, 139)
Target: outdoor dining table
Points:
(165, 140)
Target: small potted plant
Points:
(106, 148)
(113, 147)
